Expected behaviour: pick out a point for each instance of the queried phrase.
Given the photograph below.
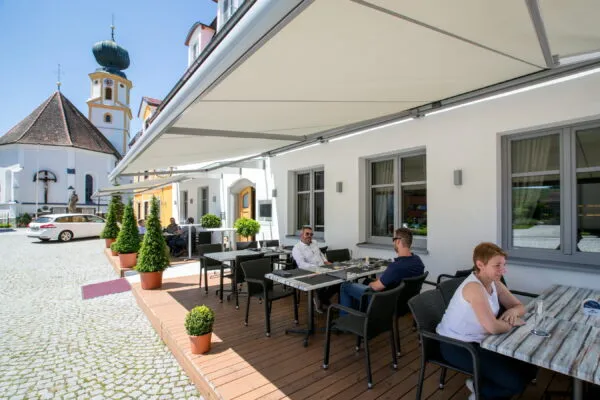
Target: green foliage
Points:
(199, 321)
(210, 221)
(119, 207)
(154, 255)
(246, 227)
(23, 219)
(128, 240)
(422, 231)
(7, 225)
(114, 247)
(111, 229)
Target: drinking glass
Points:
(538, 318)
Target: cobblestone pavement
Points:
(53, 344)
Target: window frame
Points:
(311, 200)
(566, 256)
(419, 242)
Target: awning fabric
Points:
(314, 66)
(139, 187)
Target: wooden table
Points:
(574, 345)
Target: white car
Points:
(65, 227)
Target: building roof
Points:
(152, 102)
(57, 122)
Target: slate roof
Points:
(57, 122)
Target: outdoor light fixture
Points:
(274, 193)
(338, 187)
(360, 132)
(457, 177)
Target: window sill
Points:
(557, 265)
(378, 246)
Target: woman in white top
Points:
(472, 315)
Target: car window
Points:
(64, 219)
(78, 218)
(43, 219)
(92, 218)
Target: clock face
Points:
(108, 82)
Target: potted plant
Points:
(210, 221)
(246, 227)
(128, 241)
(111, 229)
(154, 255)
(199, 325)
(114, 249)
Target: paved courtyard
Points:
(53, 344)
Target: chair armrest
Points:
(525, 294)
(254, 280)
(430, 283)
(440, 276)
(347, 309)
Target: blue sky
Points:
(35, 36)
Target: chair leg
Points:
(443, 377)
(357, 347)
(221, 285)
(267, 304)
(421, 378)
(247, 311)
(368, 360)
(397, 337)
(327, 342)
(393, 344)
(206, 281)
(200, 277)
(295, 307)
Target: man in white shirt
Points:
(307, 255)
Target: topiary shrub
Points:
(24, 219)
(210, 221)
(246, 227)
(128, 240)
(111, 229)
(154, 255)
(119, 207)
(199, 321)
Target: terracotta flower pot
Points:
(109, 242)
(128, 260)
(151, 280)
(200, 344)
(114, 253)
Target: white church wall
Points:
(112, 131)
(459, 217)
(96, 87)
(122, 93)
(8, 155)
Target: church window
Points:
(108, 93)
(121, 85)
(89, 188)
(96, 82)
(108, 118)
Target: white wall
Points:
(458, 217)
(112, 131)
(122, 93)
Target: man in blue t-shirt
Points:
(406, 265)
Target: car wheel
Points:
(65, 236)
(44, 240)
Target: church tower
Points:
(108, 106)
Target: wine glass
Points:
(539, 317)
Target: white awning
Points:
(290, 71)
(139, 187)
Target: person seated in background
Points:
(141, 226)
(180, 242)
(307, 255)
(172, 227)
(471, 317)
(406, 265)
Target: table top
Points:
(303, 283)
(223, 256)
(574, 345)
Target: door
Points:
(246, 207)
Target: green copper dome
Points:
(112, 57)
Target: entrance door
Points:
(246, 206)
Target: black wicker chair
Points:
(379, 318)
(269, 243)
(237, 276)
(428, 309)
(208, 264)
(412, 287)
(265, 289)
(246, 245)
(338, 255)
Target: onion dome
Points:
(112, 57)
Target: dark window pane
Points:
(382, 211)
(319, 229)
(319, 208)
(587, 143)
(319, 180)
(588, 212)
(414, 213)
(536, 154)
(303, 182)
(303, 216)
(536, 212)
(413, 169)
(245, 201)
(89, 188)
(382, 172)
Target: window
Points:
(265, 210)
(139, 210)
(195, 50)
(146, 209)
(108, 118)
(94, 219)
(108, 93)
(89, 188)
(397, 197)
(310, 200)
(183, 205)
(551, 194)
(203, 201)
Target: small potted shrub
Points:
(199, 325)
(128, 241)
(114, 250)
(246, 227)
(210, 221)
(111, 229)
(154, 254)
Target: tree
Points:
(246, 227)
(128, 240)
(111, 229)
(119, 207)
(154, 255)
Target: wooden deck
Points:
(245, 364)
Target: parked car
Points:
(65, 227)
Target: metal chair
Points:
(246, 245)
(428, 309)
(380, 317)
(412, 287)
(338, 255)
(265, 289)
(269, 243)
(237, 276)
(207, 264)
